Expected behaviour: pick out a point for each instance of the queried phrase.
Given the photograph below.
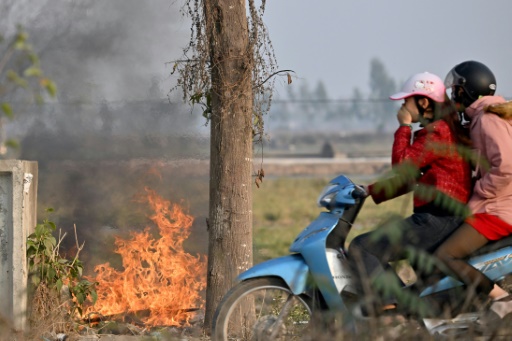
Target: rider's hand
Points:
(403, 115)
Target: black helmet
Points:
(474, 78)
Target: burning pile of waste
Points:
(159, 284)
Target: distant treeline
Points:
(313, 109)
(109, 131)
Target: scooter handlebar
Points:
(359, 192)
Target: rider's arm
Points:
(387, 189)
(400, 144)
(425, 148)
(495, 133)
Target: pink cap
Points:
(423, 84)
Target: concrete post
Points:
(18, 218)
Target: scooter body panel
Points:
(292, 269)
(495, 265)
(315, 235)
(311, 244)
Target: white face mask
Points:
(464, 120)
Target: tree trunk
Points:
(230, 216)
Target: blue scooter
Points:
(276, 299)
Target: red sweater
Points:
(433, 152)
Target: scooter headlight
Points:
(327, 195)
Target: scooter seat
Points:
(493, 246)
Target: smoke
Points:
(111, 122)
(105, 50)
(111, 63)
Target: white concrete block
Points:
(18, 218)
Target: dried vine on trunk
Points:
(194, 69)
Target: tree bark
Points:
(230, 210)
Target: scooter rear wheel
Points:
(261, 309)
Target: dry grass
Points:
(49, 314)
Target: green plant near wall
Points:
(48, 267)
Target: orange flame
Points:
(158, 274)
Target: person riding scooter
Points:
(489, 119)
(433, 154)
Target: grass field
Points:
(282, 207)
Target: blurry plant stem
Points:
(6, 57)
(78, 247)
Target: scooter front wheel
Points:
(261, 309)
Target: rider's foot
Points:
(388, 309)
(498, 309)
(502, 306)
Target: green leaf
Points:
(22, 36)
(39, 99)
(36, 280)
(48, 244)
(20, 45)
(94, 296)
(50, 87)
(21, 82)
(196, 98)
(80, 297)
(52, 225)
(12, 143)
(32, 71)
(47, 252)
(59, 284)
(6, 108)
(12, 76)
(39, 230)
(34, 59)
(51, 274)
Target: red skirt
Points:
(490, 226)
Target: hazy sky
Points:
(334, 40)
(329, 40)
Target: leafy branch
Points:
(20, 69)
(48, 267)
